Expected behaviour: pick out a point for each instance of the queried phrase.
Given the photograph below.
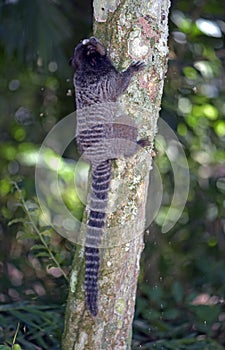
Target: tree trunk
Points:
(132, 30)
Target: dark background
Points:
(180, 301)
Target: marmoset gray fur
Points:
(100, 138)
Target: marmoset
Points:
(101, 137)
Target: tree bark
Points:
(132, 30)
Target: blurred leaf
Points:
(206, 313)
(37, 247)
(210, 111)
(220, 128)
(16, 221)
(190, 72)
(177, 292)
(16, 347)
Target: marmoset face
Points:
(90, 52)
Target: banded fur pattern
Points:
(98, 85)
(92, 143)
(95, 226)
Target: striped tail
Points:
(95, 226)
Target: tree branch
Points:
(132, 30)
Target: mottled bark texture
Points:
(131, 30)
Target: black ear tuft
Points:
(71, 61)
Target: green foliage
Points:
(34, 19)
(177, 320)
(181, 294)
(31, 230)
(39, 326)
(37, 38)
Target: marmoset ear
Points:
(72, 62)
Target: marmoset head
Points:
(89, 52)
